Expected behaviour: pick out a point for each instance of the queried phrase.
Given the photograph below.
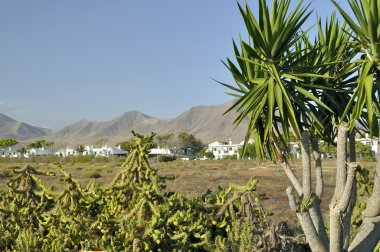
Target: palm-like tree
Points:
(366, 39)
(270, 90)
(283, 81)
(365, 100)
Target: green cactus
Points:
(131, 213)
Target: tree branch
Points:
(319, 187)
(306, 163)
(347, 217)
(345, 200)
(288, 170)
(307, 225)
(341, 172)
(367, 237)
(292, 177)
(373, 203)
(292, 200)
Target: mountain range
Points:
(205, 122)
(10, 128)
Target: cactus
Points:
(131, 213)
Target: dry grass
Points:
(196, 177)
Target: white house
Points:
(160, 151)
(39, 152)
(10, 152)
(66, 152)
(223, 150)
(104, 151)
(116, 151)
(370, 142)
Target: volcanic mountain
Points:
(10, 128)
(205, 122)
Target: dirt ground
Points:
(196, 177)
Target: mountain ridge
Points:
(10, 128)
(204, 122)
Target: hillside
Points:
(10, 128)
(205, 122)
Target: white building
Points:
(160, 151)
(104, 151)
(370, 142)
(66, 152)
(223, 150)
(39, 152)
(10, 152)
(295, 150)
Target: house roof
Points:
(215, 144)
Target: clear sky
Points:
(62, 61)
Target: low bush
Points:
(166, 158)
(91, 173)
(367, 159)
(5, 174)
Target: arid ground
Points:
(193, 177)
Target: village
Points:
(217, 150)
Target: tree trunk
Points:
(369, 233)
(347, 217)
(310, 218)
(338, 210)
(306, 163)
(288, 170)
(352, 146)
(319, 187)
(341, 151)
(315, 210)
(343, 192)
(312, 237)
(368, 236)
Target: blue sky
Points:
(62, 61)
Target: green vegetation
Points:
(126, 145)
(80, 149)
(203, 153)
(249, 153)
(362, 150)
(132, 213)
(290, 85)
(187, 143)
(40, 144)
(91, 173)
(166, 158)
(7, 142)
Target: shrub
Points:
(5, 174)
(367, 159)
(90, 173)
(166, 158)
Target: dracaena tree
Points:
(365, 102)
(288, 85)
